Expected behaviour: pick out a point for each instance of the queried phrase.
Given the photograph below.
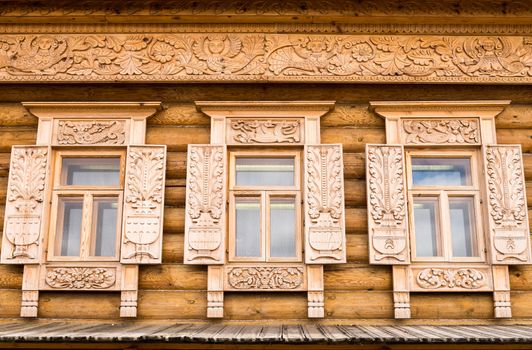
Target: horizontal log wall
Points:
(355, 292)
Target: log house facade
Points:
(351, 164)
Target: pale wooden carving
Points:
(266, 277)
(440, 131)
(128, 303)
(205, 207)
(502, 305)
(444, 278)
(21, 243)
(324, 205)
(215, 291)
(92, 132)
(387, 222)
(316, 304)
(401, 304)
(265, 57)
(507, 209)
(254, 131)
(81, 278)
(30, 303)
(143, 205)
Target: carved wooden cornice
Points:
(265, 57)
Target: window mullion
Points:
(445, 226)
(86, 225)
(265, 234)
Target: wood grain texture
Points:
(16, 136)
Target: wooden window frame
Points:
(88, 194)
(264, 193)
(443, 193)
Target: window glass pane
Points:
(69, 226)
(282, 227)
(441, 171)
(91, 171)
(462, 227)
(105, 212)
(426, 227)
(248, 227)
(264, 171)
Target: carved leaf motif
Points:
(265, 131)
(80, 278)
(145, 179)
(266, 277)
(91, 133)
(450, 278)
(441, 131)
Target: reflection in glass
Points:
(70, 215)
(282, 227)
(248, 227)
(91, 171)
(441, 171)
(426, 227)
(105, 212)
(462, 227)
(264, 171)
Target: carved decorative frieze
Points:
(24, 205)
(253, 131)
(448, 278)
(440, 131)
(144, 193)
(507, 207)
(324, 204)
(265, 277)
(205, 207)
(80, 277)
(387, 204)
(265, 57)
(82, 132)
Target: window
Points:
(265, 206)
(444, 198)
(86, 205)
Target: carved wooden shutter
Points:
(205, 208)
(387, 215)
(506, 202)
(143, 205)
(22, 242)
(324, 204)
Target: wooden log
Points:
(521, 304)
(177, 138)
(353, 115)
(521, 278)
(353, 139)
(177, 114)
(515, 116)
(10, 300)
(173, 248)
(172, 305)
(4, 164)
(77, 305)
(16, 136)
(516, 136)
(173, 277)
(357, 248)
(350, 277)
(452, 305)
(358, 304)
(176, 165)
(11, 276)
(15, 114)
(261, 306)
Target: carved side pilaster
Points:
(387, 220)
(507, 207)
(92, 132)
(401, 305)
(143, 205)
(449, 131)
(205, 205)
(324, 205)
(28, 172)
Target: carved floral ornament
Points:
(80, 277)
(265, 57)
(441, 131)
(80, 132)
(249, 131)
(435, 278)
(269, 278)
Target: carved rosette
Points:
(205, 207)
(507, 204)
(324, 205)
(434, 278)
(386, 204)
(266, 278)
(265, 57)
(80, 278)
(253, 131)
(81, 132)
(440, 131)
(24, 205)
(143, 209)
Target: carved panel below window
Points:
(91, 132)
(81, 278)
(264, 131)
(440, 131)
(265, 278)
(451, 279)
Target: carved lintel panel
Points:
(81, 278)
(257, 131)
(205, 207)
(21, 243)
(324, 204)
(451, 279)
(269, 278)
(265, 57)
(91, 132)
(386, 189)
(143, 205)
(507, 209)
(449, 131)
